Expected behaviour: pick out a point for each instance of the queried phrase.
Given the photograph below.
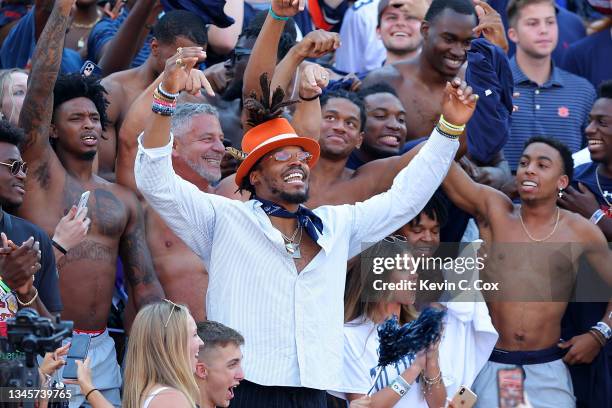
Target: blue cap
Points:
(211, 11)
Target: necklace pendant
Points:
(80, 43)
(289, 247)
(296, 253)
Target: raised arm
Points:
(264, 55)
(35, 117)
(307, 116)
(42, 11)
(127, 144)
(189, 212)
(136, 257)
(118, 53)
(412, 188)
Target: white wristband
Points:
(604, 329)
(399, 388)
(597, 216)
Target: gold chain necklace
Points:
(601, 190)
(529, 235)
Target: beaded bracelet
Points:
(166, 94)
(164, 103)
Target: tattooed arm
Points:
(35, 117)
(136, 258)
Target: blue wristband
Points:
(276, 16)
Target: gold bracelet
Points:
(31, 300)
(451, 125)
(449, 131)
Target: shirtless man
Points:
(72, 116)
(175, 29)
(448, 29)
(526, 325)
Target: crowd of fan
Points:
(89, 90)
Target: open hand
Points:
(459, 102)
(53, 361)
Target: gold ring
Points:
(179, 62)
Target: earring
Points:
(560, 193)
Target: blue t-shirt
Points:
(19, 230)
(591, 57)
(18, 48)
(105, 30)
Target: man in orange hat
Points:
(282, 264)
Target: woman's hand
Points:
(83, 376)
(53, 361)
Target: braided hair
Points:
(269, 106)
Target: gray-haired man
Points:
(196, 157)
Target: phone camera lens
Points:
(462, 391)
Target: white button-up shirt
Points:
(292, 322)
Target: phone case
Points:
(464, 398)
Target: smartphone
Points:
(77, 351)
(510, 387)
(82, 202)
(90, 69)
(464, 398)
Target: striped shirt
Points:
(292, 322)
(558, 109)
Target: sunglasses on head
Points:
(395, 238)
(174, 306)
(284, 156)
(16, 167)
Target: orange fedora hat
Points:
(269, 136)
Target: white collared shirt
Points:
(292, 323)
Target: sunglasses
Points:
(284, 156)
(174, 306)
(395, 238)
(16, 167)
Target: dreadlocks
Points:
(266, 108)
(260, 111)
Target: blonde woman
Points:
(161, 358)
(13, 86)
